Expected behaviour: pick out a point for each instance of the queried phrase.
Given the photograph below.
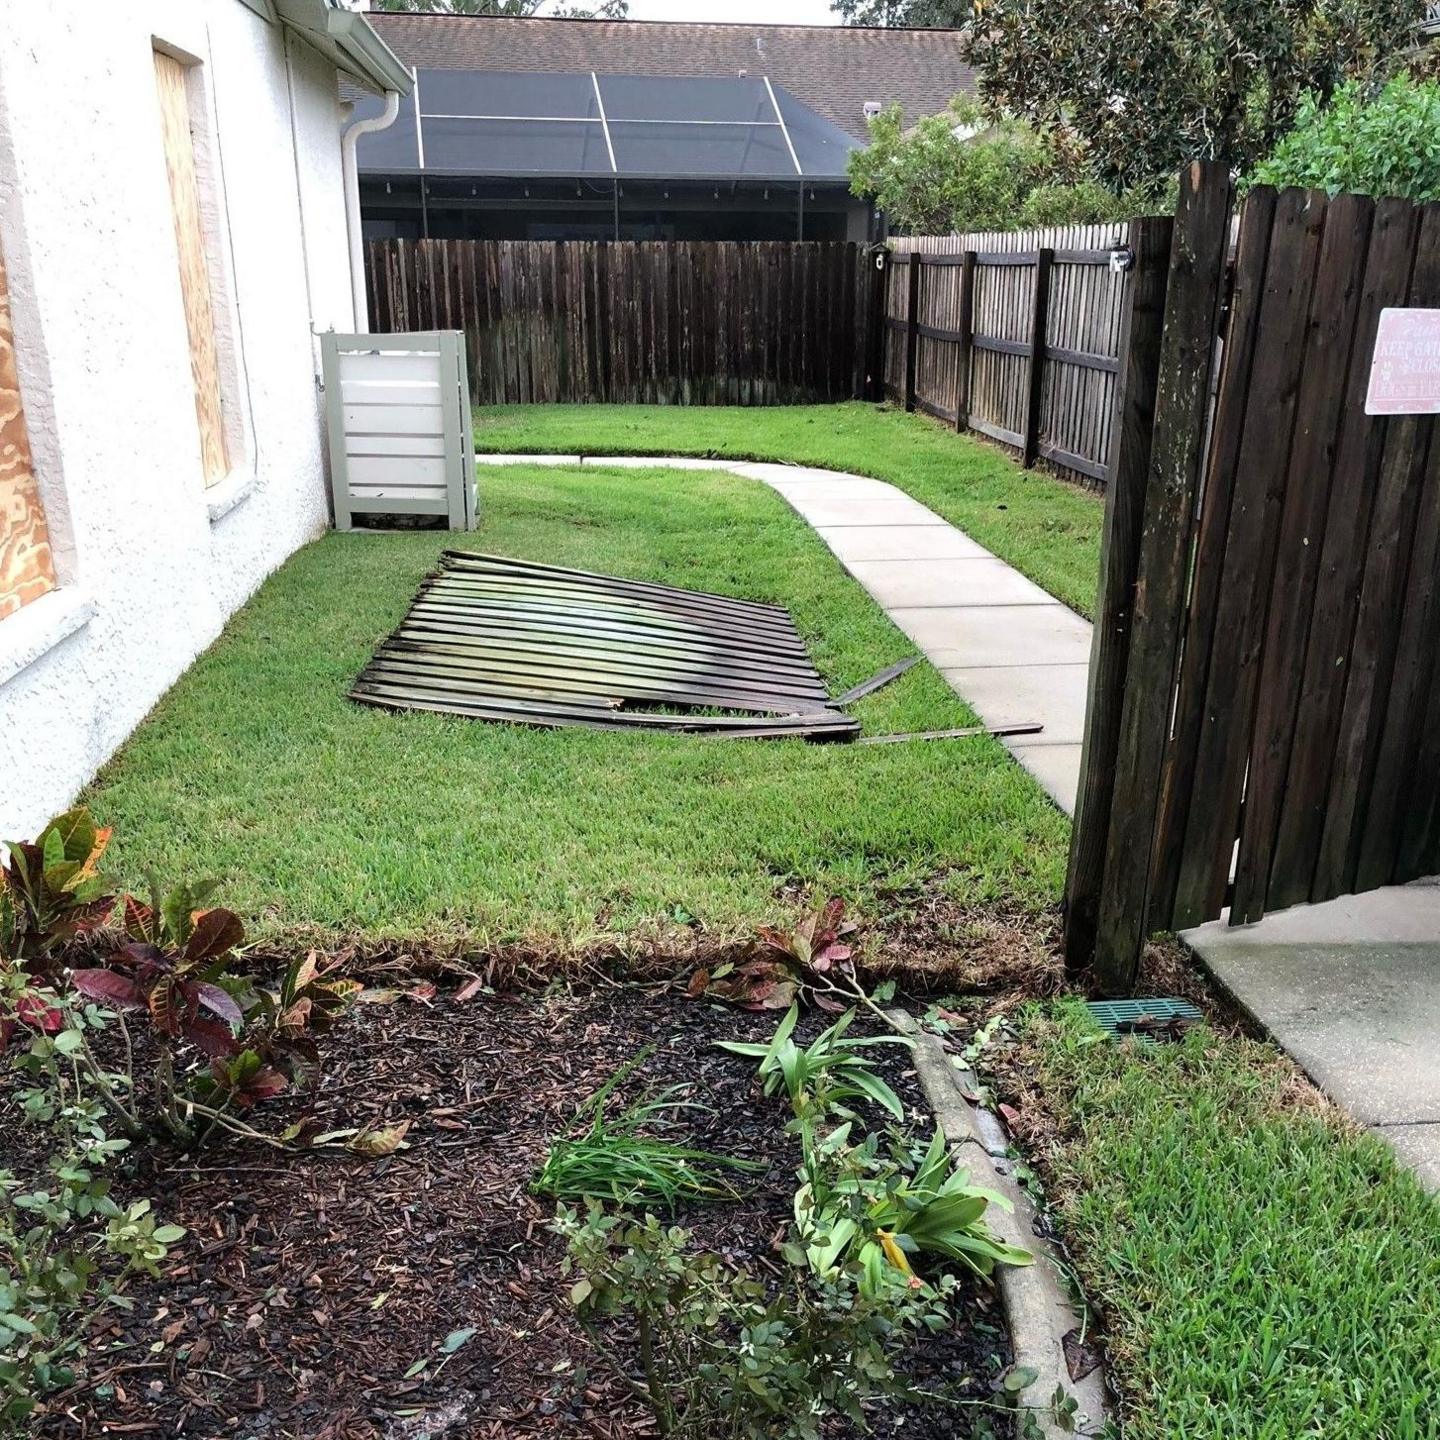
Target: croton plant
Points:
(173, 965)
(812, 961)
(169, 967)
(51, 891)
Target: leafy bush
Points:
(621, 1159)
(1148, 88)
(719, 1356)
(175, 970)
(57, 1227)
(1377, 143)
(221, 1044)
(963, 170)
(857, 1204)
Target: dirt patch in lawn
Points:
(310, 1284)
(925, 940)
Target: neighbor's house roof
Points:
(833, 69)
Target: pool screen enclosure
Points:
(599, 128)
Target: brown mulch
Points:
(310, 1283)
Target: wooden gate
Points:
(1264, 717)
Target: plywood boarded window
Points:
(27, 569)
(170, 80)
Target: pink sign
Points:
(1405, 372)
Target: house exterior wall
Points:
(149, 562)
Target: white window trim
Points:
(37, 628)
(225, 495)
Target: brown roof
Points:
(834, 69)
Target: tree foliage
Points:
(959, 171)
(1378, 143)
(940, 14)
(516, 9)
(1148, 87)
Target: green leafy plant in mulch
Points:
(723, 1353)
(86, 1088)
(829, 1071)
(622, 1158)
(66, 1244)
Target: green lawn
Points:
(1267, 1273)
(1044, 527)
(318, 812)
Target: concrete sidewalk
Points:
(1010, 650)
(1351, 989)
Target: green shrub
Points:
(720, 1356)
(59, 1224)
(964, 170)
(1376, 143)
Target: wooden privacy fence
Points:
(1264, 717)
(670, 322)
(1015, 336)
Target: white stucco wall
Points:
(153, 560)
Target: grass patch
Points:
(1044, 527)
(316, 812)
(1266, 1272)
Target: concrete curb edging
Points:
(1038, 1310)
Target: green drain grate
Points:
(1143, 1020)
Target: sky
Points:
(743, 12)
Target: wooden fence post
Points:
(967, 336)
(912, 330)
(1197, 269)
(1141, 325)
(1039, 311)
(877, 338)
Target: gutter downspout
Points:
(351, 180)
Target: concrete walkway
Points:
(1010, 650)
(1350, 988)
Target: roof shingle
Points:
(834, 69)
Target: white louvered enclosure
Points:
(398, 412)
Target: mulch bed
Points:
(309, 1283)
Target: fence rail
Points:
(670, 322)
(1013, 335)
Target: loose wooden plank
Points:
(1197, 260)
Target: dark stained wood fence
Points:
(669, 322)
(1014, 336)
(1264, 719)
